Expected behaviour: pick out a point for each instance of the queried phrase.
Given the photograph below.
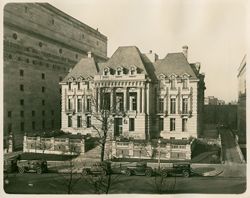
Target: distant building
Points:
(242, 103)
(41, 44)
(211, 100)
(149, 97)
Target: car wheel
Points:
(39, 171)
(128, 172)
(21, 170)
(104, 173)
(84, 172)
(185, 174)
(164, 174)
(148, 173)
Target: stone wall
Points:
(53, 145)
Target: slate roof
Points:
(85, 67)
(174, 63)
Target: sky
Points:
(215, 32)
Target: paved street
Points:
(52, 183)
(230, 152)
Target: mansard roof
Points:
(174, 63)
(84, 68)
(127, 56)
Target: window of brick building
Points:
(33, 125)
(43, 89)
(131, 124)
(22, 126)
(43, 124)
(172, 124)
(22, 102)
(185, 105)
(33, 113)
(21, 72)
(9, 114)
(43, 113)
(43, 102)
(14, 35)
(43, 76)
(21, 87)
(22, 113)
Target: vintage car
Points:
(140, 168)
(178, 169)
(10, 165)
(97, 168)
(38, 166)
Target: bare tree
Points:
(163, 184)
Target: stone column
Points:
(98, 99)
(125, 99)
(76, 104)
(143, 98)
(84, 100)
(112, 99)
(147, 100)
(138, 100)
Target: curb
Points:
(212, 173)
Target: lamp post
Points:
(159, 154)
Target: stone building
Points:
(148, 97)
(41, 44)
(242, 105)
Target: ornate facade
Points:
(148, 97)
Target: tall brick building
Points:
(148, 97)
(41, 44)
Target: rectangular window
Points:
(43, 76)
(88, 105)
(161, 124)
(33, 125)
(52, 124)
(79, 105)
(119, 102)
(21, 88)
(184, 105)
(33, 113)
(172, 106)
(22, 113)
(88, 121)
(70, 103)
(43, 89)
(22, 126)
(131, 124)
(106, 101)
(161, 105)
(43, 113)
(70, 85)
(78, 85)
(52, 112)
(69, 121)
(133, 101)
(172, 84)
(22, 102)
(79, 121)
(9, 127)
(184, 124)
(21, 72)
(43, 124)
(172, 124)
(184, 83)
(9, 114)
(43, 102)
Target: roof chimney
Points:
(89, 54)
(198, 66)
(185, 51)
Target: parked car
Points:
(10, 165)
(38, 166)
(140, 168)
(178, 169)
(97, 168)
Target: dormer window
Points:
(119, 71)
(133, 70)
(106, 71)
(70, 85)
(172, 82)
(184, 83)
